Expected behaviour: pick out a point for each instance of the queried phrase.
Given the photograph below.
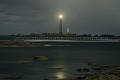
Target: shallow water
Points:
(66, 58)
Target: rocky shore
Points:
(95, 71)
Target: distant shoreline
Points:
(41, 43)
(71, 41)
(18, 43)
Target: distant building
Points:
(68, 31)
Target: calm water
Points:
(66, 56)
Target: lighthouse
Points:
(60, 25)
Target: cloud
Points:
(82, 16)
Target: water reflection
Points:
(60, 66)
(60, 71)
(60, 75)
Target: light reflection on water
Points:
(60, 75)
(60, 70)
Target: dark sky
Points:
(81, 16)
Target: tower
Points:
(60, 25)
(68, 30)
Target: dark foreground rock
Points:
(112, 74)
(102, 77)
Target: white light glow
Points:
(60, 16)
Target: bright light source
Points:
(60, 16)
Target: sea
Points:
(65, 58)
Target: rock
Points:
(93, 63)
(41, 58)
(83, 70)
(113, 74)
(102, 77)
(108, 77)
(115, 71)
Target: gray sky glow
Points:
(81, 16)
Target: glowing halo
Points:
(60, 16)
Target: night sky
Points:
(81, 16)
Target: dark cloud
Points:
(82, 16)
